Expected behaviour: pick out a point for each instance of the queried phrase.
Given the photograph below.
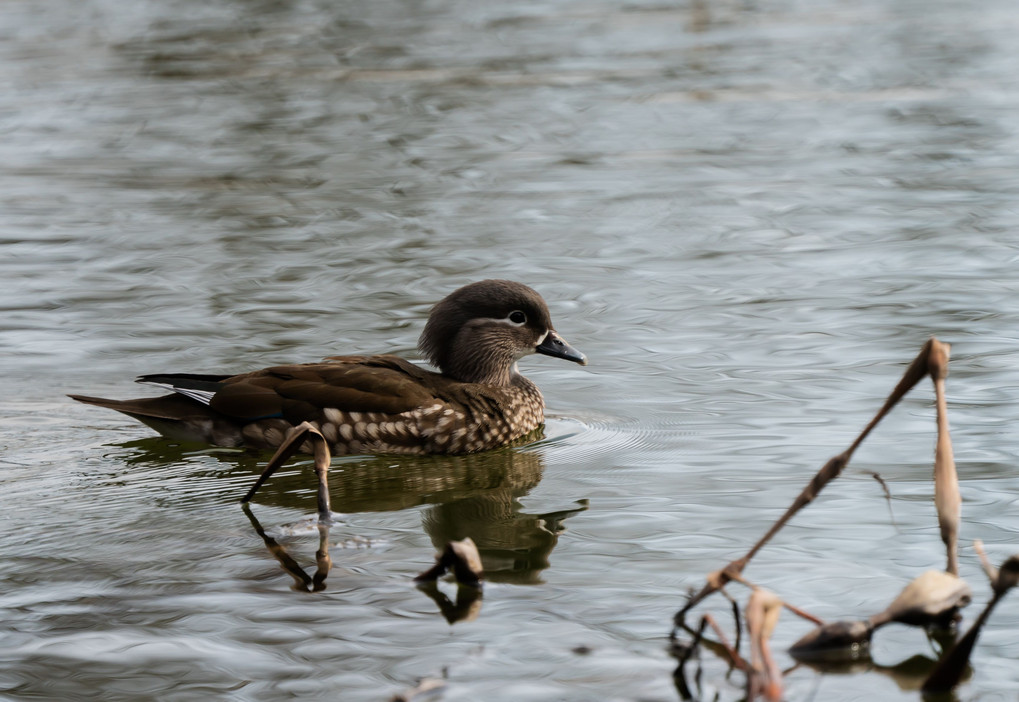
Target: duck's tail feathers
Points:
(176, 417)
(165, 407)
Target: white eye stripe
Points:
(507, 320)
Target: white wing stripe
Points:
(203, 396)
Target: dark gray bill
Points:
(555, 346)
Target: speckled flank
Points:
(447, 427)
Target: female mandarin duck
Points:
(380, 404)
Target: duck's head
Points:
(477, 333)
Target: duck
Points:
(476, 400)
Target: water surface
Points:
(749, 215)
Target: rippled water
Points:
(749, 215)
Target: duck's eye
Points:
(517, 317)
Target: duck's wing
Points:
(382, 384)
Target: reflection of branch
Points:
(831, 470)
(953, 664)
(468, 601)
(302, 581)
(682, 654)
(463, 560)
(908, 674)
(722, 648)
(428, 688)
(323, 563)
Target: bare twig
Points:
(462, 558)
(946, 481)
(428, 688)
(888, 496)
(762, 614)
(931, 598)
(298, 435)
(989, 569)
(803, 614)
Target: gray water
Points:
(749, 215)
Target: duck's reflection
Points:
(514, 545)
(474, 496)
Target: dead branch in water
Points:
(831, 470)
(305, 431)
(933, 599)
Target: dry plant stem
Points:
(762, 615)
(461, 557)
(803, 614)
(928, 598)
(946, 481)
(831, 470)
(297, 436)
(428, 688)
(989, 570)
(737, 577)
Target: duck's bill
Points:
(555, 346)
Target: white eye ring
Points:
(517, 318)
